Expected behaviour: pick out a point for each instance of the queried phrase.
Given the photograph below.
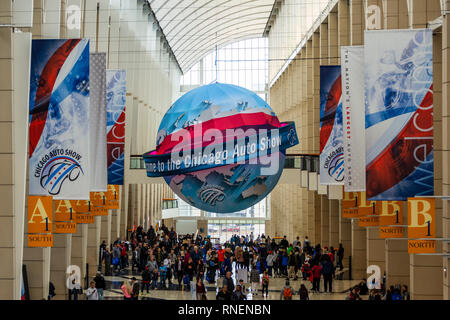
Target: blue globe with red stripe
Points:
(214, 110)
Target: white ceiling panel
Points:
(195, 27)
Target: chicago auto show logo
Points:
(57, 167)
(335, 164)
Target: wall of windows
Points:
(256, 211)
(243, 63)
(223, 230)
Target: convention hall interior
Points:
(274, 48)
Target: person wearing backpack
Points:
(265, 283)
(287, 292)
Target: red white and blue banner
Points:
(353, 109)
(98, 175)
(331, 131)
(116, 91)
(399, 114)
(59, 119)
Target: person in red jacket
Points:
(123, 256)
(317, 273)
(221, 255)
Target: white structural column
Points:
(37, 260)
(446, 145)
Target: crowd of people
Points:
(167, 260)
(393, 293)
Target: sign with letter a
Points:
(112, 197)
(64, 217)
(421, 224)
(98, 201)
(40, 221)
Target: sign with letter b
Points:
(421, 224)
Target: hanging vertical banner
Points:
(350, 205)
(64, 217)
(59, 119)
(391, 219)
(421, 225)
(113, 197)
(331, 131)
(399, 114)
(40, 221)
(99, 171)
(353, 118)
(115, 108)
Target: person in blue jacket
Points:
(284, 263)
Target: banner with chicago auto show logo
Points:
(59, 119)
(331, 131)
(399, 114)
(116, 91)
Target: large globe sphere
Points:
(227, 188)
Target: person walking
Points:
(108, 261)
(146, 278)
(73, 283)
(254, 279)
(265, 284)
(100, 285)
(200, 290)
(291, 264)
(340, 256)
(328, 273)
(116, 257)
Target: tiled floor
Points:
(340, 289)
